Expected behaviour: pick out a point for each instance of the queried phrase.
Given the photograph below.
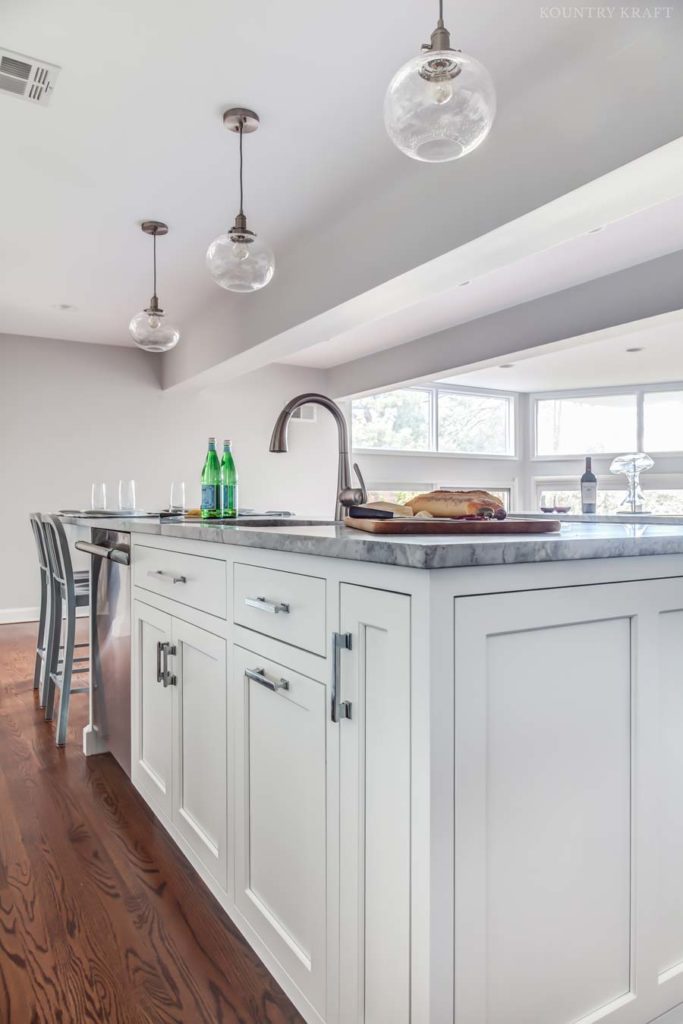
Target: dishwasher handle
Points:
(113, 554)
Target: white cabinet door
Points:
(200, 744)
(374, 678)
(151, 710)
(278, 727)
(556, 753)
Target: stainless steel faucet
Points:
(346, 494)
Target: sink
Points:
(261, 521)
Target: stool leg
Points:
(42, 631)
(52, 653)
(63, 718)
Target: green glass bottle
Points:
(211, 483)
(228, 483)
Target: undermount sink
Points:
(279, 521)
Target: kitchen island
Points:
(430, 780)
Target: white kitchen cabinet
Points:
(374, 680)
(179, 730)
(200, 744)
(564, 755)
(152, 710)
(280, 777)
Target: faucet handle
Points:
(361, 481)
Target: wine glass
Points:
(98, 497)
(127, 495)
(177, 499)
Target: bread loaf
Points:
(455, 504)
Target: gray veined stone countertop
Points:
(574, 541)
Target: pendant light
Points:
(149, 328)
(441, 104)
(240, 260)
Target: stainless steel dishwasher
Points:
(110, 632)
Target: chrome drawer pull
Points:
(256, 675)
(166, 577)
(264, 605)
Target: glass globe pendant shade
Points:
(240, 261)
(152, 333)
(440, 106)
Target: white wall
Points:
(72, 413)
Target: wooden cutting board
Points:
(407, 525)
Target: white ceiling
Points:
(133, 131)
(594, 360)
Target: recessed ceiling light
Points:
(594, 231)
(64, 305)
(506, 366)
(463, 283)
(635, 349)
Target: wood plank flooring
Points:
(101, 917)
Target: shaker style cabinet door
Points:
(151, 709)
(560, 750)
(374, 678)
(200, 744)
(278, 724)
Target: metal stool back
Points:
(67, 595)
(45, 587)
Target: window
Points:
(663, 421)
(395, 420)
(589, 424)
(662, 501)
(435, 419)
(401, 495)
(475, 424)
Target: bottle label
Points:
(229, 499)
(210, 497)
(589, 494)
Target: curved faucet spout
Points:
(346, 494)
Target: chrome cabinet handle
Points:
(340, 708)
(264, 605)
(159, 646)
(166, 676)
(166, 577)
(256, 675)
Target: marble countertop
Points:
(332, 540)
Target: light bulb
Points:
(154, 321)
(441, 92)
(240, 251)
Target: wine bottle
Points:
(589, 488)
(211, 483)
(228, 483)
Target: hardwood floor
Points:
(101, 917)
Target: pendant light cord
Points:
(440, 13)
(154, 238)
(241, 176)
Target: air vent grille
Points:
(26, 77)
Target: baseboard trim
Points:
(18, 615)
(8, 615)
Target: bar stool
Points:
(81, 576)
(66, 595)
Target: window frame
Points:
(611, 482)
(434, 451)
(638, 391)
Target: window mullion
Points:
(640, 421)
(435, 420)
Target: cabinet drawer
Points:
(189, 579)
(285, 605)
